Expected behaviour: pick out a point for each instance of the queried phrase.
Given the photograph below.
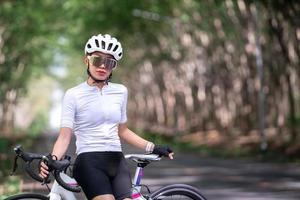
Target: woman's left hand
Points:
(163, 151)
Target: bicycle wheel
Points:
(28, 196)
(177, 191)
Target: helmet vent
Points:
(116, 47)
(109, 46)
(120, 54)
(103, 44)
(89, 46)
(97, 42)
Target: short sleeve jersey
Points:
(94, 115)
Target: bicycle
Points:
(64, 186)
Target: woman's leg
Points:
(90, 172)
(121, 184)
(104, 197)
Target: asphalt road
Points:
(217, 179)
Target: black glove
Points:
(162, 150)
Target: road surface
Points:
(216, 178)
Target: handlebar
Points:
(28, 158)
(57, 167)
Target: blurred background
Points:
(220, 78)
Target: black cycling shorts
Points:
(100, 173)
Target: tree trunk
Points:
(7, 121)
(292, 114)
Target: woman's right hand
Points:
(44, 173)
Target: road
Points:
(219, 179)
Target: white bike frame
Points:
(136, 189)
(58, 192)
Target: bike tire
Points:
(28, 196)
(177, 191)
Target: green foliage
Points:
(216, 76)
(4, 161)
(4, 143)
(28, 35)
(38, 125)
(11, 186)
(130, 21)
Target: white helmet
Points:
(105, 44)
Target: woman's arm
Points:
(135, 140)
(131, 138)
(59, 149)
(62, 143)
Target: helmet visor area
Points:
(98, 61)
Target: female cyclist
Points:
(95, 111)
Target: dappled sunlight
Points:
(217, 78)
(217, 138)
(210, 138)
(235, 72)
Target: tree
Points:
(28, 30)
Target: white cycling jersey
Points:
(94, 115)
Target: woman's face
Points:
(100, 64)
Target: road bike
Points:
(65, 186)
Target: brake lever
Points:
(15, 166)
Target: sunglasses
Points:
(97, 61)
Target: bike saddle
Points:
(141, 158)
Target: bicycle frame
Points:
(57, 192)
(63, 184)
(136, 189)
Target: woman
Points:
(96, 112)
